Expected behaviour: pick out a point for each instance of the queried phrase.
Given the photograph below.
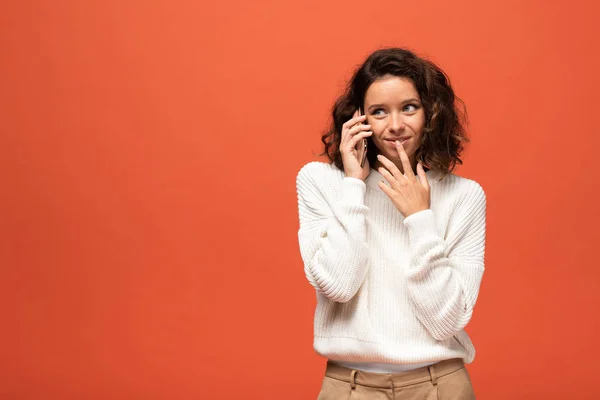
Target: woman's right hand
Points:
(351, 146)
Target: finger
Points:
(388, 177)
(385, 188)
(408, 172)
(422, 176)
(350, 133)
(350, 130)
(356, 138)
(351, 122)
(358, 128)
(391, 167)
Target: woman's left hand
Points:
(409, 194)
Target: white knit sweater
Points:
(390, 290)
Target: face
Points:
(394, 111)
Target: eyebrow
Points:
(411, 100)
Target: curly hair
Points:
(445, 114)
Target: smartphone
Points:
(364, 144)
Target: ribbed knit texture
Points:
(389, 289)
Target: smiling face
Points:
(394, 111)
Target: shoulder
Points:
(461, 189)
(319, 174)
(456, 184)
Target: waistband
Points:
(377, 380)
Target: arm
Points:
(444, 276)
(332, 237)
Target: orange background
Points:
(148, 159)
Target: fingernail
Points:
(398, 142)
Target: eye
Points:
(378, 112)
(410, 108)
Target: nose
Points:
(396, 123)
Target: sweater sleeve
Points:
(332, 233)
(444, 276)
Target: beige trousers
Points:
(445, 380)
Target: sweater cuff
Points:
(421, 225)
(353, 190)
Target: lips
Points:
(402, 139)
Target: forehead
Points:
(390, 89)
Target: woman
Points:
(395, 248)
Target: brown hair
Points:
(445, 114)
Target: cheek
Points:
(419, 123)
(378, 129)
(417, 129)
